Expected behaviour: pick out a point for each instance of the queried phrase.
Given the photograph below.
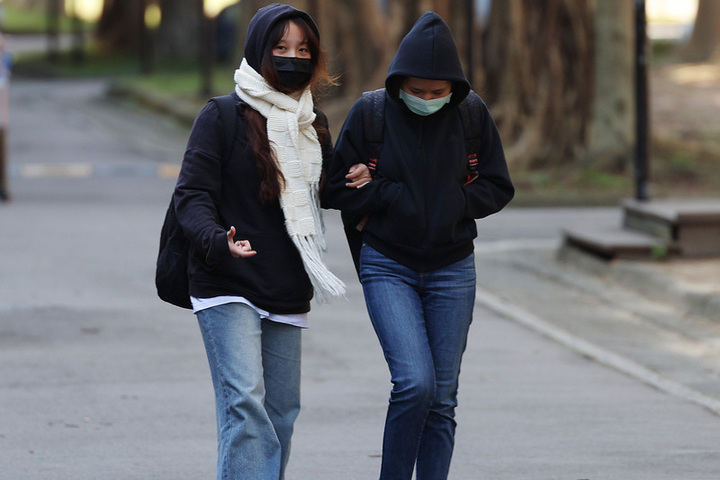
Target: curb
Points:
(183, 110)
(652, 280)
(601, 355)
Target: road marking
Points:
(88, 170)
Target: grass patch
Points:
(90, 63)
(168, 77)
(33, 21)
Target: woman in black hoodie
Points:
(418, 213)
(252, 218)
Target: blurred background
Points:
(578, 98)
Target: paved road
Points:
(99, 379)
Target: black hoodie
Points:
(420, 212)
(215, 191)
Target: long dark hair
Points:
(272, 181)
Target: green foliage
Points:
(662, 50)
(179, 78)
(24, 20)
(602, 179)
(660, 252)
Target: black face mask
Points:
(293, 72)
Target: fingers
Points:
(245, 248)
(357, 184)
(358, 176)
(240, 248)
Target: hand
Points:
(358, 176)
(241, 248)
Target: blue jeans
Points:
(255, 369)
(422, 322)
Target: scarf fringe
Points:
(324, 283)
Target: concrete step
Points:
(692, 227)
(613, 242)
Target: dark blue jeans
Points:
(422, 322)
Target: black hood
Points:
(428, 51)
(260, 26)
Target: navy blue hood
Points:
(260, 26)
(428, 51)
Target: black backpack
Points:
(373, 112)
(171, 268)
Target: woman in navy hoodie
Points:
(253, 221)
(416, 263)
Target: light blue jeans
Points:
(422, 321)
(255, 369)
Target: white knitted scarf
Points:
(298, 153)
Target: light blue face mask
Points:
(423, 107)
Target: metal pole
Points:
(641, 103)
(53, 30)
(78, 48)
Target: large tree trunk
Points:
(612, 133)
(704, 43)
(120, 25)
(180, 33)
(539, 78)
(360, 37)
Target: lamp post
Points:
(641, 103)
(53, 30)
(78, 48)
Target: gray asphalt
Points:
(567, 375)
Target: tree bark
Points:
(539, 78)
(179, 36)
(118, 27)
(612, 127)
(704, 43)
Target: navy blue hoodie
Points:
(420, 212)
(216, 190)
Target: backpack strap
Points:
(470, 109)
(227, 107)
(373, 125)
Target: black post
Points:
(470, 26)
(78, 47)
(641, 103)
(53, 30)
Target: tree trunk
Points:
(612, 128)
(120, 26)
(360, 44)
(704, 43)
(180, 33)
(539, 78)
(360, 37)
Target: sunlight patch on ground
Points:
(700, 74)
